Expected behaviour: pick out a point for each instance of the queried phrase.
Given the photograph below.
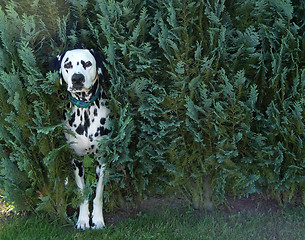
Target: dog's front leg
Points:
(83, 218)
(97, 214)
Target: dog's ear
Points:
(99, 58)
(54, 65)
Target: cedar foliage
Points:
(33, 151)
(206, 97)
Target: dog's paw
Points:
(82, 224)
(97, 215)
(98, 223)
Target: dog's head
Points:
(79, 68)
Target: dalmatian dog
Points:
(81, 70)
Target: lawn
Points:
(170, 223)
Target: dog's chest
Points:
(86, 126)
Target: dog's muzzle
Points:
(78, 81)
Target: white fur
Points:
(83, 218)
(97, 214)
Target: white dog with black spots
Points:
(81, 70)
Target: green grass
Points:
(171, 224)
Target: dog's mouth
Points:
(79, 89)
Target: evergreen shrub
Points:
(33, 152)
(206, 98)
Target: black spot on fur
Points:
(95, 112)
(64, 115)
(102, 121)
(72, 120)
(80, 129)
(87, 123)
(97, 103)
(79, 165)
(78, 112)
(67, 60)
(86, 116)
(103, 131)
(86, 64)
(83, 96)
(106, 131)
(100, 129)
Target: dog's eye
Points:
(68, 65)
(88, 64)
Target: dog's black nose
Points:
(78, 79)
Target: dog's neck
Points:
(85, 99)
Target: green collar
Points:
(85, 104)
